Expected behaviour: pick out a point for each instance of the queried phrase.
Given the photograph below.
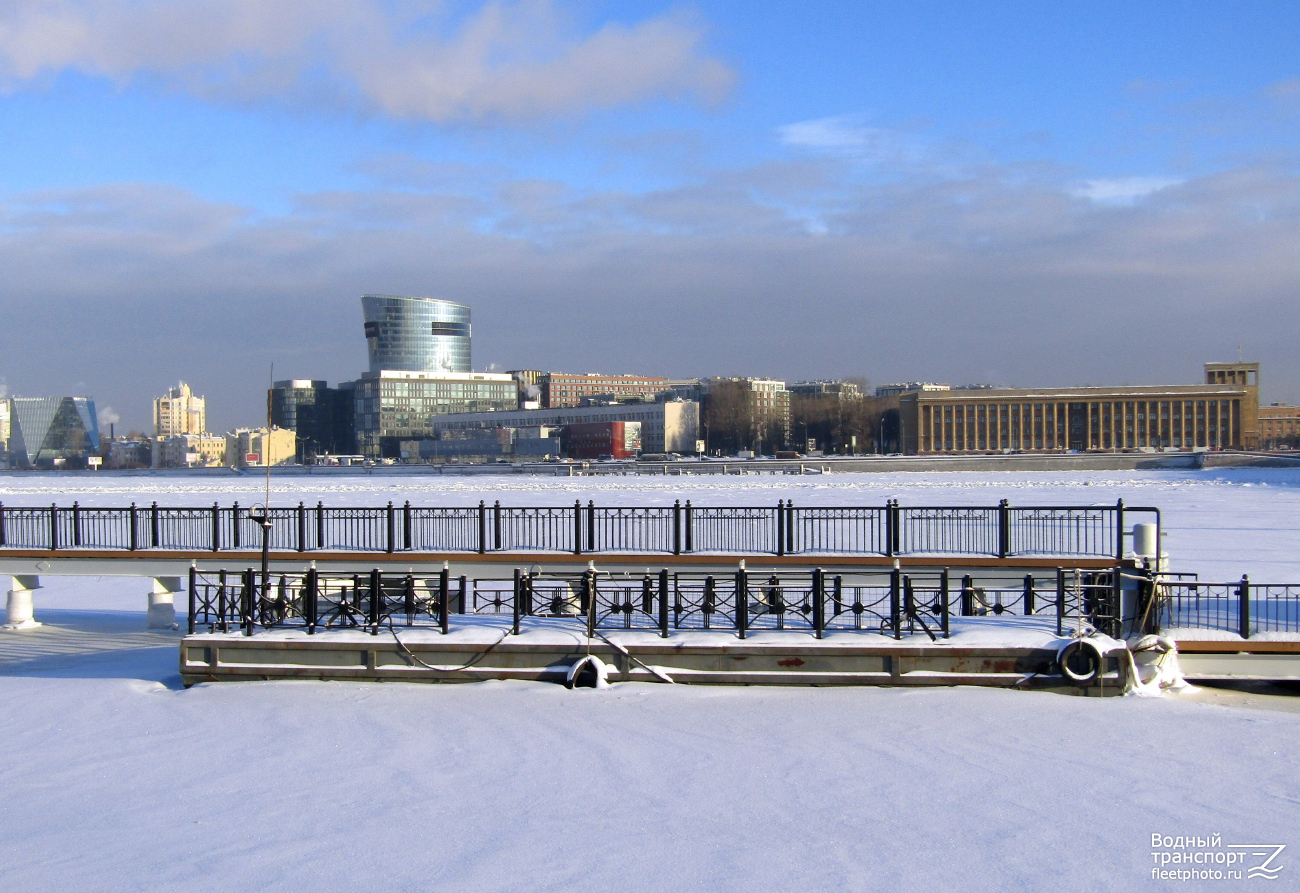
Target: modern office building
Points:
(670, 427)
(179, 411)
(416, 334)
(51, 432)
(1221, 414)
(323, 418)
(392, 406)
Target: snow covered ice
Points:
(117, 779)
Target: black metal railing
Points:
(890, 603)
(1243, 607)
(784, 529)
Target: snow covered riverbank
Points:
(116, 779)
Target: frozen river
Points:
(1219, 523)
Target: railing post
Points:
(889, 528)
(482, 527)
(591, 526)
(943, 601)
(577, 527)
(390, 517)
(895, 593)
(1029, 594)
(193, 604)
(311, 598)
(789, 527)
(496, 525)
(3, 537)
(54, 528)
(216, 527)
(819, 602)
(967, 596)
(131, 520)
(663, 603)
(780, 527)
(320, 524)
(247, 601)
(742, 601)
(76, 523)
(406, 526)
(376, 596)
(464, 594)
(1060, 600)
(690, 528)
(153, 526)
(444, 598)
(302, 527)
(234, 525)
(1004, 529)
(677, 527)
(589, 584)
(1119, 533)
(1243, 607)
(515, 602)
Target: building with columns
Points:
(1223, 413)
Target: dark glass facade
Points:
(414, 334)
(320, 416)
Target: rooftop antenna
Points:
(1238, 353)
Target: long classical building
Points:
(1223, 413)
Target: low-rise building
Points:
(593, 440)
(559, 389)
(189, 451)
(256, 447)
(843, 390)
(909, 387)
(670, 427)
(1279, 426)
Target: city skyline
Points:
(1020, 195)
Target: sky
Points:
(1020, 194)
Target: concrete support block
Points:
(162, 603)
(19, 603)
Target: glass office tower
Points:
(50, 432)
(416, 334)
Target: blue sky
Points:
(1092, 193)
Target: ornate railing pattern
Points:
(784, 529)
(891, 603)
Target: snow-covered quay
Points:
(117, 779)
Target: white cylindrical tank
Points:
(1145, 541)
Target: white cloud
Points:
(898, 281)
(839, 132)
(1122, 190)
(507, 60)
